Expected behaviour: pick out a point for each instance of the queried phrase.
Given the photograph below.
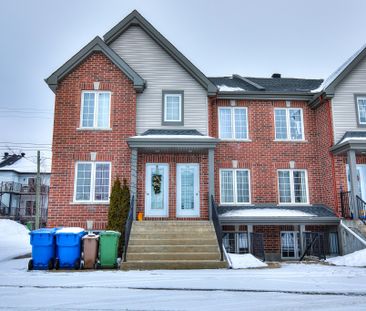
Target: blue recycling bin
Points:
(43, 249)
(68, 244)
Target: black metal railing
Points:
(128, 227)
(361, 209)
(314, 244)
(346, 204)
(217, 225)
(18, 188)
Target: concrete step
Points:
(172, 235)
(171, 229)
(172, 256)
(173, 264)
(154, 223)
(170, 241)
(172, 248)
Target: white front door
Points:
(188, 192)
(361, 179)
(156, 190)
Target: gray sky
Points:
(309, 38)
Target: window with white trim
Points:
(92, 181)
(289, 124)
(173, 107)
(233, 123)
(361, 109)
(95, 109)
(234, 186)
(293, 186)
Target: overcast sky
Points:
(309, 38)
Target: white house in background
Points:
(18, 187)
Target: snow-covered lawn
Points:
(292, 287)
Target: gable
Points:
(136, 19)
(96, 45)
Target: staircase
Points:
(173, 245)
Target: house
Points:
(18, 188)
(248, 156)
(343, 94)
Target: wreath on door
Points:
(156, 182)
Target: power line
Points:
(18, 143)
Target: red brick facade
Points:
(263, 156)
(71, 145)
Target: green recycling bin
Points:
(108, 249)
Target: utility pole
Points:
(38, 190)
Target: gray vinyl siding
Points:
(343, 102)
(161, 72)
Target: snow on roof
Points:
(266, 212)
(225, 88)
(173, 136)
(25, 165)
(336, 73)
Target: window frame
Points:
(96, 106)
(235, 187)
(357, 97)
(233, 130)
(288, 124)
(92, 183)
(292, 188)
(166, 93)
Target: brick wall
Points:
(263, 156)
(172, 159)
(71, 145)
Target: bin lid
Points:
(110, 232)
(90, 236)
(72, 230)
(43, 231)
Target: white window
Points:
(92, 181)
(289, 124)
(233, 123)
(236, 242)
(234, 186)
(293, 186)
(173, 107)
(290, 244)
(95, 109)
(361, 108)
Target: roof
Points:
(10, 159)
(351, 140)
(96, 45)
(172, 132)
(240, 85)
(24, 165)
(338, 75)
(267, 213)
(136, 19)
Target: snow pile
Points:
(267, 212)
(14, 240)
(225, 88)
(242, 261)
(356, 259)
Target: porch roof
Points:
(272, 214)
(158, 140)
(351, 140)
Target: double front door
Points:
(158, 187)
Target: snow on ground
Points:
(241, 261)
(292, 287)
(356, 259)
(268, 212)
(14, 240)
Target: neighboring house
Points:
(343, 94)
(18, 188)
(132, 106)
